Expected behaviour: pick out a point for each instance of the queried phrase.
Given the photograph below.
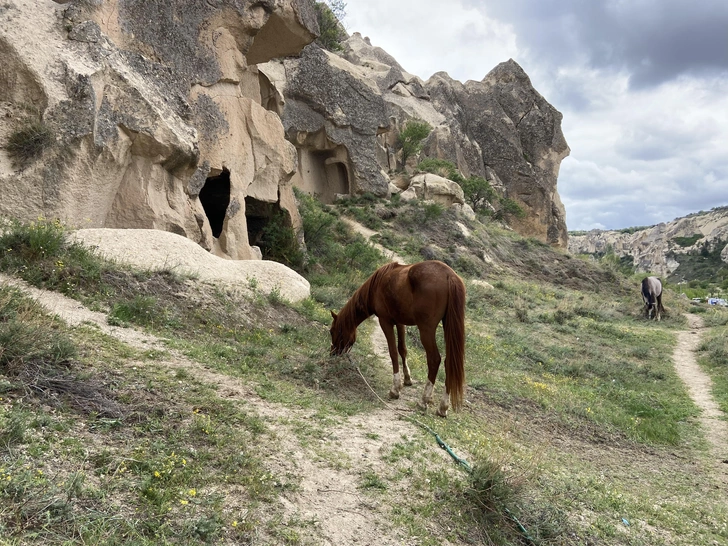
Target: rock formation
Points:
(177, 116)
(155, 114)
(499, 128)
(658, 249)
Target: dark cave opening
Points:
(257, 216)
(215, 198)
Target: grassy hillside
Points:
(576, 425)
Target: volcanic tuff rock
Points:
(155, 113)
(174, 115)
(655, 249)
(500, 128)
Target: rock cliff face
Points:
(658, 249)
(199, 118)
(154, 111)
(500, 128)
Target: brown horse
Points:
(652, 296)
(421, 294)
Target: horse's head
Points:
(341, 338)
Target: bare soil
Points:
(700, 387)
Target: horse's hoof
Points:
(422, 407)
(393, 395)
(408, 382)
(442, 413)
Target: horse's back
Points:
(651, 286)
(411, 293)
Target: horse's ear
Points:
(334, 315)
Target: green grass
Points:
(28, 141)
(575, 419)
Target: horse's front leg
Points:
(402, 346)
(388, 329)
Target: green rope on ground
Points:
(443, 445)
(463, 463)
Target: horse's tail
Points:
(454, 327)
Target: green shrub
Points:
(478, 193)
(280, 242)
(440, 167)
(329, 15)
(687, 241)
(410, 138)
(29, 141)
(510, 207)
(24, 340)
(139, 310)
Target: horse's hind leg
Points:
(427, 336)
(402, 346)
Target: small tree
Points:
(478, 193)
(331, 32)
(411, 137)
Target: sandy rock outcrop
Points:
(430, 187)
(520, 141)
(153, 249)
(155, 115)
(332, 111)
(657, 249)
(344, 114)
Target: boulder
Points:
(430, 187)
(152, 249)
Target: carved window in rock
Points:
(215, 198)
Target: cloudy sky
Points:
(642, 84)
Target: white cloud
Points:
(645, 112)
(428, 37)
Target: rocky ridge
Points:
(658, 249)
(200, 119)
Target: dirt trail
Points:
(328, 494)
(700, 387)
(368, 234)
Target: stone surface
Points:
(501, 129)
(154, 249)
(145, 100)
(430, 187)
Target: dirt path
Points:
(368, 233)
(700, 387)
(328, 494)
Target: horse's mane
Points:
(358, 307)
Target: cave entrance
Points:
(215, 198)
(323, 173)
(337, 179)
(259, 215)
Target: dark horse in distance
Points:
(423, 294)
(652, 296)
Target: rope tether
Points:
(460, 461)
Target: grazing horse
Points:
(422, 294)
(652, 296)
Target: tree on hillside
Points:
(410, 138)
(330, 15)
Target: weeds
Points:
(29, 141)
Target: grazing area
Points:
(144, 407)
